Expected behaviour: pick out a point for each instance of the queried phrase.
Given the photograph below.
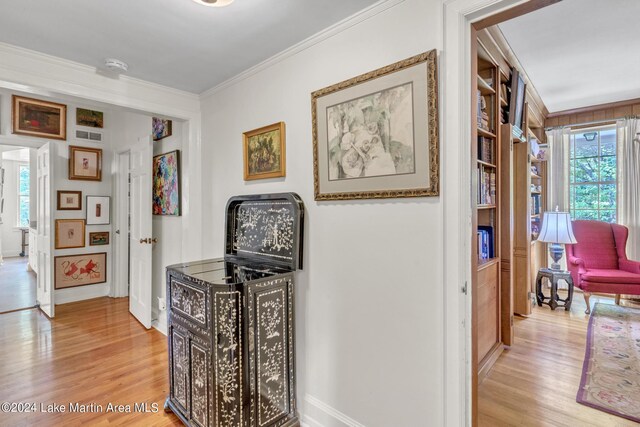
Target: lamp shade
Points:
(556, 228)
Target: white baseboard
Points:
(79, 293)
(316, 413)
(161, 321)
(11, 254)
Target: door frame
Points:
(120, 286)
(460, 387)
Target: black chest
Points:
(231, 320)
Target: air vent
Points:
(89, 136)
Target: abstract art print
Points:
(161, 128)
(89, 118)
(98, 210)
(69, 233)
(376, 135)
(264, 152)
(80, 270)
(166, 184)
(85, 163)
(34, 117)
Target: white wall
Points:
(369, 319)
(11, 236)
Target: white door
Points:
(140, 234)
(45, 292)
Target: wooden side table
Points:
(553, 276)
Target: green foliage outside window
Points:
(23, 196)
(593, 176)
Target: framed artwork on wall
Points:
(161, 128)
(89, 118)
(80, 270)
(85, 163)
(98, 210)
(376, 135)
(34, 117)
(99, 238)
(69, 200)
(166, 184)
(69, 233)
(264, 152)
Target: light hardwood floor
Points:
(17, 285)
(92, 352)
(535, 382)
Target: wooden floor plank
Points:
(535, 382)
(17, 285)
(92, 352)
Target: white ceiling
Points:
(579, 53)
(177, 43)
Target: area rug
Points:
(611, 370)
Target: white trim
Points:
(456, 197)
(328, 32)
(80, 293)
(120, 241)
(11, 254)
(326, 416)
(160, 322)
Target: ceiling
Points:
(177, 43)
(579, 53)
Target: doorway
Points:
(18, 262)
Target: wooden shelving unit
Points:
(487, 213)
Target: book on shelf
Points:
(535, 204)
(485, 150)
(486, 247)
(486, 185)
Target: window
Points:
(592, 174)
(23, 196)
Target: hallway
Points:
(17, 285)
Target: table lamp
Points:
(556, 229)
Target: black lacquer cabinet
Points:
(231, 320)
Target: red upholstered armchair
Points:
(598, 262)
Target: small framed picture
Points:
(85, 163)
(90, 118)
(69, 200)
(264, 152)
(161, 128)
(99, 238)
(69, 233)
(34, 117)
(98, 211)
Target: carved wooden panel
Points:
(200, 384)
(228, 358)
(189, 301)
(179, 367)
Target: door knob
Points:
(154, 240)
(145, 241)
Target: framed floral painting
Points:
(264, 152)
(166, 184)
(161, 128)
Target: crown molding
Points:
(28, 70)
(325, 34)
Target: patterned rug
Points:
(611, 370)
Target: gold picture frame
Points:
(85, 164)
(70, 233)
(35, 117)
(264, 152)
(376, 135)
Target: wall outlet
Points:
(162, 303)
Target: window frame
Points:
(19, 195)
(598, 183)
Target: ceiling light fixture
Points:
(116, 65)
(214, 3)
